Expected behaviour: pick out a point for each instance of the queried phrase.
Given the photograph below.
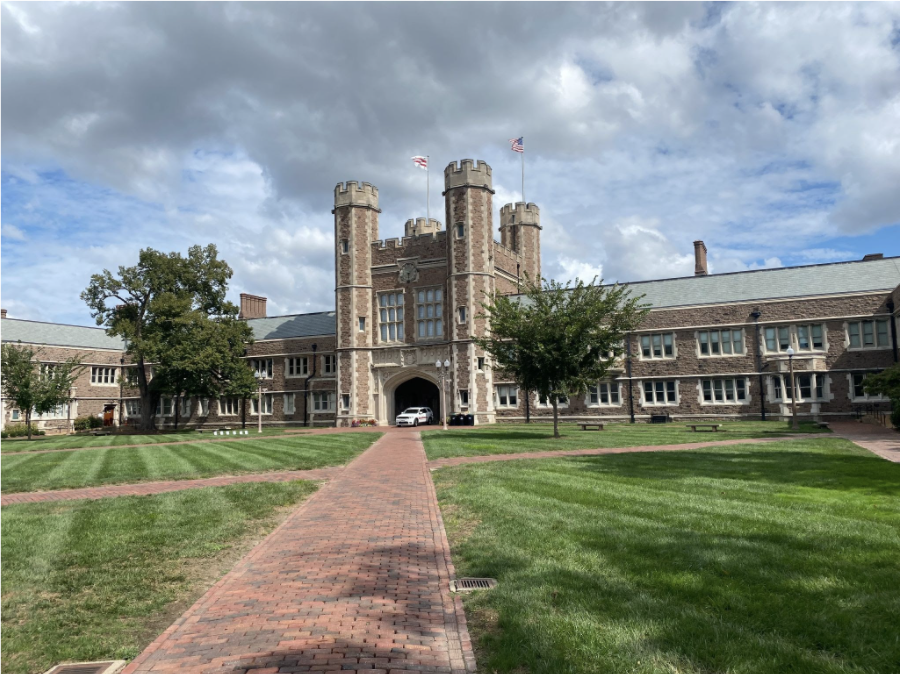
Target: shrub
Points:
(895, 414)
(19, 431)
(86, 422)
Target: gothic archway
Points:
(416, 392)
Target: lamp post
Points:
(795, 424)
(259, 402)
(443, 369)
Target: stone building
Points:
(713, 346)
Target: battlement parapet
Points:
(404, 241)
(353, 193)
(418, 226)
(520, 213)
(468, 172)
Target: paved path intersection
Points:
(356, 579)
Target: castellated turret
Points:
(520, 231)
(419, 226)
(352, 193)
(470, 172)
(355, 227)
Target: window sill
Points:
(602, 406)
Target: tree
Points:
(204, 359)
(35, 388)
(172, 313)
(559, 339)
(886, 383)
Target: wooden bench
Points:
(587, 424)
(709, 428)
(822, 424)
(100, 433)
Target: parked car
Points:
(413, 416)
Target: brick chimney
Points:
(700, 268)
(252, 306)
(873, 256)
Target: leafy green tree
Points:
(172, 313)
(33, 387)
(886, 383)
(559, 339)
(204, 359)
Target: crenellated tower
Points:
(520, 231)
(468, 193)
(417, 226)
(355, 227)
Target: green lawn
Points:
(750, 559)
(510, 439)
(95, 580)
(44, 443)
(121, 465)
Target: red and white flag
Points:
(421, 162)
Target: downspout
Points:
(762, 388)
(890, 306)
(628, 373)
(306, 391)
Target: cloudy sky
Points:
(771, 131)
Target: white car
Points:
(413, 416)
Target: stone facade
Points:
(358, 362)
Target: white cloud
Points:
(767, 130)
(12, 232)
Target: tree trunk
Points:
(177, 405)
(148, 404)
(555, 417)
(28, 423)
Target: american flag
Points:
(518, 144)
(421, 162)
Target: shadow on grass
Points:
(797, 468)
(698, 561)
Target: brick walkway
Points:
(457, 460)
(356, 579)
(878, 440)
(147, 488)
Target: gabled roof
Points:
(834, 278)
(297, 325)
(58, 334)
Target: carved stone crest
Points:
(409, 272)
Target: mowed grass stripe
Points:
(69, 470)
(99, 580)
(753, 559)
(535, 437)
(44, 443)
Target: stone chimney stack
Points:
(700, 268)
(252, 306)
(2, 313)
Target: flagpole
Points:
(427, 193)
(523, 176)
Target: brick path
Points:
(356, 579)
(147, 488)
(457, 460)
(878, 440)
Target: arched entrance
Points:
(417, 392)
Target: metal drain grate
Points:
(469, 584)
(105, 667)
